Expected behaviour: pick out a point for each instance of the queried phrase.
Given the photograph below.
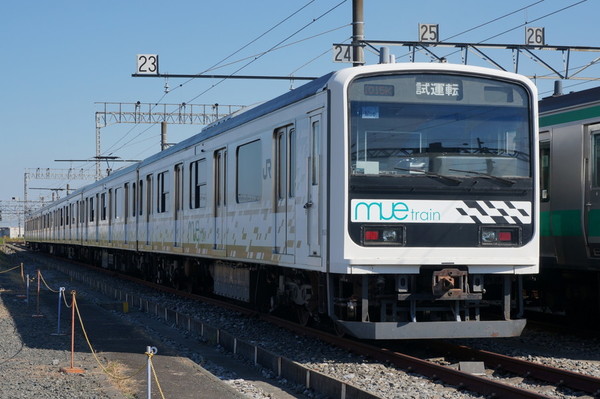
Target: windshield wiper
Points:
(486, 175)
(430, 174)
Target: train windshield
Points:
(449, 125)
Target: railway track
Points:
(526, 369)
(418, 364)
(475, 383)
(483, 385)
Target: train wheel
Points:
(338, 330)
(303, 315)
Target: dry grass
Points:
(118, 374)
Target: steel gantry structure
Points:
(49, 174)
(481, 50)
(190, 114)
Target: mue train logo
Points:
(415, 211)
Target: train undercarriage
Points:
(570, 293)
(367, 306)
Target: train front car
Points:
(433, 216)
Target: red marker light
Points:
(371, 235)
(504, 236)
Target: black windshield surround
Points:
(439, 137)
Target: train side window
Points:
(103, 206)
(163, 192)
(92, 209)
(198, 189)
(285, 162)
(249, 173)
(596, 160)
(292, 163)
(220, 178)
(545, 170)
(178, 176)
(282, 163)
(141, 197)
(118, 205)
(315, 151)
(133, 199)
(149, 195)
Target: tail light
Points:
(383, 235)
(500, 236)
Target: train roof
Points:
(222, 125)
(239, 118)
(575, 99)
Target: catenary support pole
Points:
(358, 31)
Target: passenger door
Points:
(284, 179)
(220, 198)
(149, 202)
(126, 214)
(592, 190)
(547, 237)
(313, 204)
(178, 217)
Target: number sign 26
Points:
(534, 36)
(147, 64)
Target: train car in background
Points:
(398, 201)
(570, 203)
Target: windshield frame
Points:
(432, 153)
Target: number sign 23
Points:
(147, 64)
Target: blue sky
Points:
(59, 58)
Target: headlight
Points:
(383, 235)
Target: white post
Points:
(150, 351)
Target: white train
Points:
(398, 200)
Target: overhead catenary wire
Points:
(535, 20)
(270, 50)
(508, 30)
(494, 20)
(211, 68)
(249, 43)
(231, 63)
(253, 58)
(113, 148)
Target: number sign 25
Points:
(147, 64)
(429, 33)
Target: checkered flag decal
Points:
(497, 212)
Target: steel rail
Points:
(426, 368)
(524, 368)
